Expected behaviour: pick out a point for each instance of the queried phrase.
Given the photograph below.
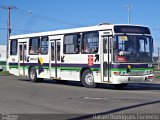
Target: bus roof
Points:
(73, 30)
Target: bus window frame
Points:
(45, 46)
(12, 47)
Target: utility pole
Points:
(129, 13)
(9, 8)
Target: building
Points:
(2, 57)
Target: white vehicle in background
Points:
(3, 57)
(96, 54)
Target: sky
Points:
(47, 15)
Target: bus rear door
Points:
(22, 58)
(55, 58)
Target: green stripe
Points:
(141, 68)
(70, 68)
(76, 68)
(124, 69)
(79, 68)
(45, 67)
(13, 66)
(95, 69)
(60, 68)
(2, 62)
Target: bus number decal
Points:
(90, 60)
(96, 58)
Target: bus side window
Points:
(31, 51)
(34, 45)
(90, 42)
(21, 54)
(38, 51)
(44, 45)
(13, 47)
(72, 44)
(52, 51)
(58, 51)
(85, 48)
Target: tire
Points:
(87, 79)
(33, 75)
(120, 86)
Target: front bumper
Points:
(119, 79)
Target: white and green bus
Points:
(106, 53)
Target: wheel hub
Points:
(32, 75)
(89, 79)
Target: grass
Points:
(4, 73)
(157, 76)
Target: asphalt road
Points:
(20, 96)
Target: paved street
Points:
(20, 96)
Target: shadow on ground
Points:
(103, 115)
(132, 86)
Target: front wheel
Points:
(33, 75)
(88, 79)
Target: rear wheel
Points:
(33, 75)
(88, 79)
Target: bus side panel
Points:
(41, 64)
(12, 64)
(73, 65)
(70, 68)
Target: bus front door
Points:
(105, 58)
(55, 59)
(22, 58)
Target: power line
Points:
(156, 29)
(2, 28)
(2, 19)
(57, 20)
(156, 38)
(23, 30)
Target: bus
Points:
(91, 55)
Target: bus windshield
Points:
(132, 48)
